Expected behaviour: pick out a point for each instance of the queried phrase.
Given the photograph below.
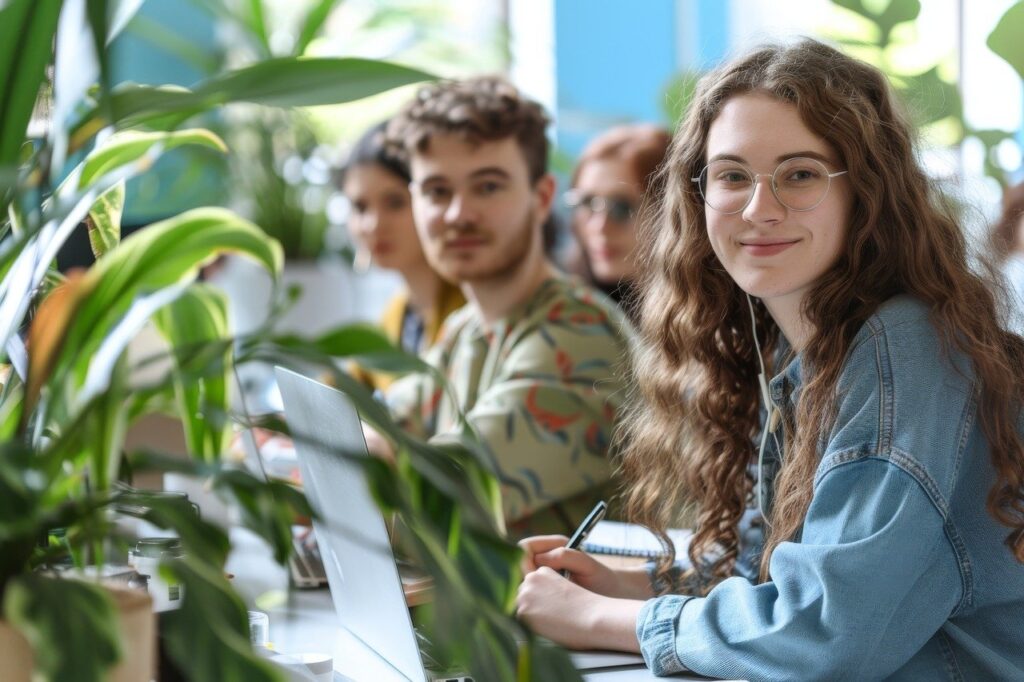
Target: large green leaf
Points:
(107, 422)
(8, 178)
(96, 11)
(77, 649)
(897, 12)
(130, 146)
(27, 28)
(856, 6)
(105, 220)
(303, 81)
(363, 342)
(476, 579)
(1006, 39)
(210, 631)
(11, 401)
(147, 271)
(285, 81)
(190, 324)
(19, 508)
(24, 262)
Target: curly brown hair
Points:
(482, 109)
(694, 414)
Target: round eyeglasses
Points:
(617, 209)
(799, 184)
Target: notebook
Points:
(629, 539)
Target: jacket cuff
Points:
(656, 627)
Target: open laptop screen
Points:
(361, 570)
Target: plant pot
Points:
(138, 641)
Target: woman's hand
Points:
(584, 570)
(564, 612)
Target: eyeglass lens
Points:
(618, 210)
(799, 184)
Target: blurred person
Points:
(1007, 241)
(376, 184)
(819, 357)
(531, 360)
(615, 174)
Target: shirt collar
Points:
(788, 381)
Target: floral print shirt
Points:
(540, 390)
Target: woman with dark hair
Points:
(616, 173)
(376, 183)
(820, 366)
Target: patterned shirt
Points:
(540, 390)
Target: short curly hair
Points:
(482, 109)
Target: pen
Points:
(581, 533)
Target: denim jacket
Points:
(899, 572)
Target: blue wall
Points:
(170, 42)
(615, 59)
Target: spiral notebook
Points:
(629, 539)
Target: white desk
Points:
(305, 621)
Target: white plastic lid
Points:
(318, 664)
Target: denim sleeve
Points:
(871, 580)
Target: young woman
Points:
(616, 171)
(799, 233)
(381, 225)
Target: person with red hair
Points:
(615, 176)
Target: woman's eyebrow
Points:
(807, 153)
(818, 156)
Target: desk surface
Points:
(303, 621)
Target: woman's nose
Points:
(763, 206)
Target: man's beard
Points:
(503, 267)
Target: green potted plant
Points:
(68, 390)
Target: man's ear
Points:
(544, 189)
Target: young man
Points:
(533, 359)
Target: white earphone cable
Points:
(769, 424)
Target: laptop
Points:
(361, 570)
(270, 460)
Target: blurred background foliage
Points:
(888, 36)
